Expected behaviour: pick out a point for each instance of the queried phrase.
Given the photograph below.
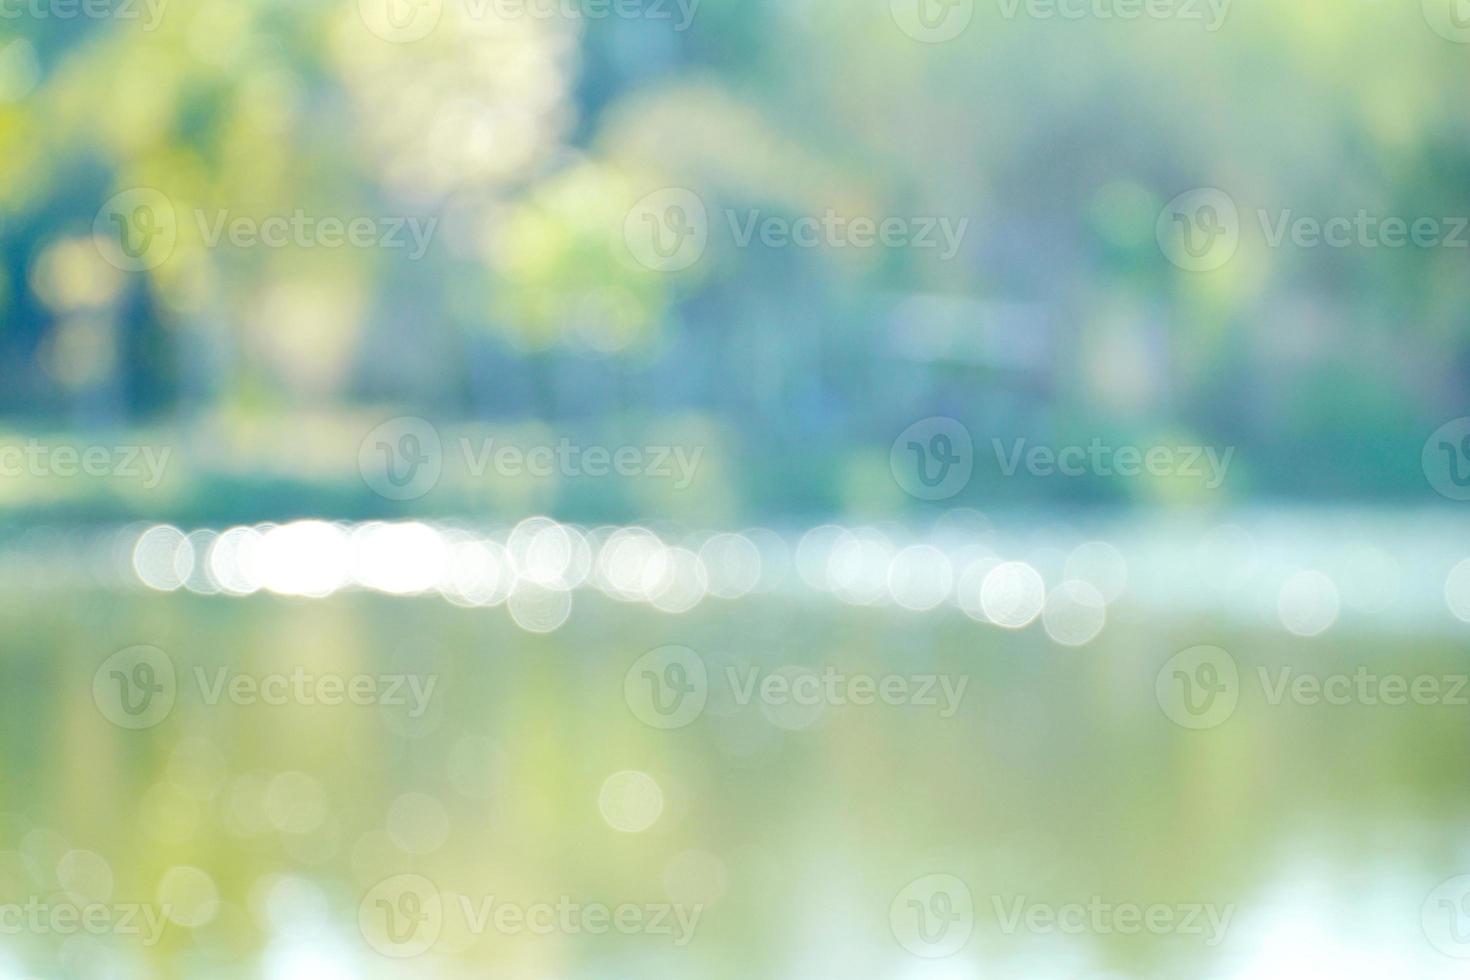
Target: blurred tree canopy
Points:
(526, 141)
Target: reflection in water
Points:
(321, 786)
(1292, 570)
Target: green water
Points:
(1055, 780)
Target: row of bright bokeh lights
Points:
(535, 567)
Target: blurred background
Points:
(440, 441)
